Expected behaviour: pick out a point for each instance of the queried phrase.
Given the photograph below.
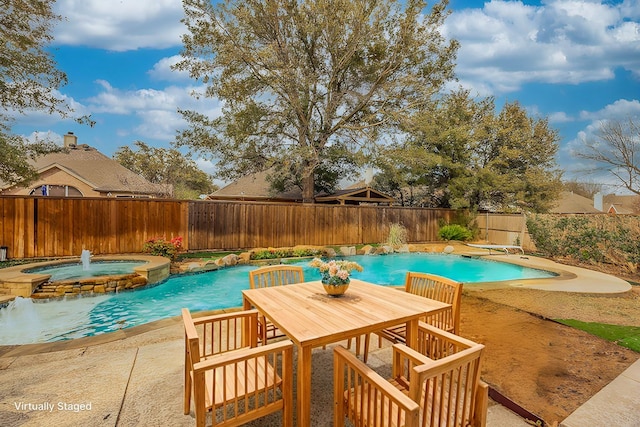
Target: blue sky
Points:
(576, 62)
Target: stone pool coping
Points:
(19, 283)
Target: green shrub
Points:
(264, 254)
(588, 238)
(397, 235)
(455, 232)
(283, 253)
(305, 252)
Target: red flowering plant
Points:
(159, 246)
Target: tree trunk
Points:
(308, 188)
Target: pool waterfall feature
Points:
(31, 280)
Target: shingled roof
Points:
(629, 204)
(571, 203)
(256, 187)
(99, 172)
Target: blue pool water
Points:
(75, 318)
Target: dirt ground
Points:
(545, 367)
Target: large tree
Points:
(28, 80)
(461, 153)
(615, 148)
(309, 87)
(180, 175)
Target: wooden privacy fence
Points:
(37, 226)
(504, 229)
(51, 226)
(233, 225)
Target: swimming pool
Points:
(24, 321)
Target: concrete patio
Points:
(136, 380)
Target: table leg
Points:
(303, 392)
(412, 333)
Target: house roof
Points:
(97, 170)
(356, 196)
(254, 187)
(569, 202)
(257, 187)
(622, 204)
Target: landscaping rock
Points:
(231, 259)
(403, 249)
(329, 253)
(366, 250)
(244, 258)
(383, 250)
(193, 266)
(210, 266)
(347, 250)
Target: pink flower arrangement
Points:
(335, 272)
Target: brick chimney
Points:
(70, 140)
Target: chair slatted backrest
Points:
(211, 335)
(275, 275)
(230, 375)
(443, 376)
(441, 289)
(221, 333)
(448, 390)
(365, 398)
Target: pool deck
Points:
(569, 279)
(134, 376)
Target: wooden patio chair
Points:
(273, 275)
(228, 374)
(445, 392)
(433, 287)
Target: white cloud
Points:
(45, 136)
(559, 117)
(120, 25)
(162, 70)
(507, 44)
(619, 110)
(156, 109)
(159, 124)
(43, 117)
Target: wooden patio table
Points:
(311, 318)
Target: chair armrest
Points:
(447, 336)
(245, 353)
(407, 352)
(404, 359)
